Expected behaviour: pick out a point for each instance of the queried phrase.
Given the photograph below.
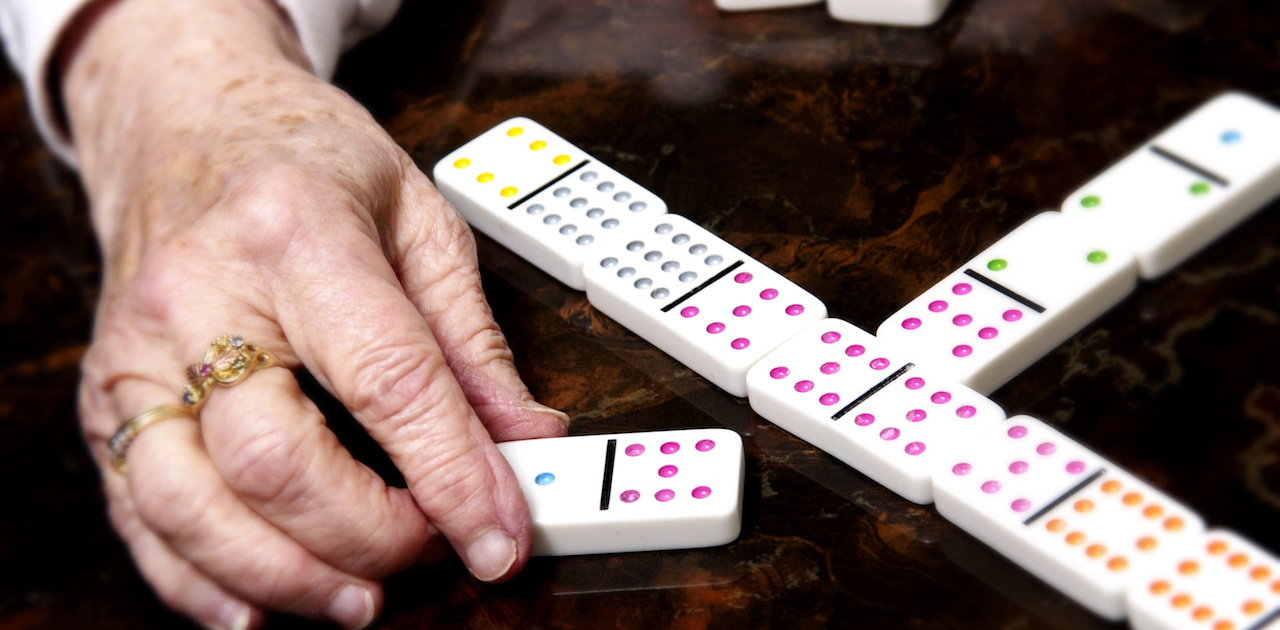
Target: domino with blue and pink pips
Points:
(698, 298)
(631, 491)
(842, 390)
(1060, 511)
(1190, 184)
(1015, 302)
(541, 197)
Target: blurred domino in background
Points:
(1222, 582)
(1014, 302)
(754, 5)
(1061, 512)
(631, 491)
(540, 196)
(698, 298)
(842, 390)
(895, 12)
(1190, 184)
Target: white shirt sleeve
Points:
(31, 28)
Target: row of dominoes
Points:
(896, 12)
(925, 430)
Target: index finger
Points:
(352, 324)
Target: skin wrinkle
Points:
(399, 384)
(268, 572)
(269, 465)
(484, 346)
(169, 506)
(450, 481)
(257, 474)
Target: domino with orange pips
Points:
(1222, 582)
(1060, 511)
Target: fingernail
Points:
(537, 407)
(491, 554)
(233, 616)
(352, 607)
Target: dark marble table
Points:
(864, 163)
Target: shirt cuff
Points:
(327, 28)
(31, 29)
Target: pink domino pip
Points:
(697, 298)
(1060, 511)
(839, 388)
(1013, 303)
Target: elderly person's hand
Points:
(233, 192)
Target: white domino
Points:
(1014, 302)
(631, 491)
(754, 5)
(1061, 512)
(697, 298)
(541, 197)
(895, 12)
(1220, 582)
(847, 393)
(1188, 185)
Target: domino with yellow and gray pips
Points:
(540, 196)
(697, 298)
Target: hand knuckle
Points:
(279, 202)
(396, 384)
(487, 344)
(269, 467)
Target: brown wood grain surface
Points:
(862, 162)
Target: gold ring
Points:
(127, 433)
(228, 361)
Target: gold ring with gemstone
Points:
(228, 361)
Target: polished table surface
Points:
(864, 163)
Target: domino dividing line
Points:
(873, 391)
(549, 184)
(1190, 166)
(1005, 290)
(606, 486)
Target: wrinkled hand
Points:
(233, 192)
